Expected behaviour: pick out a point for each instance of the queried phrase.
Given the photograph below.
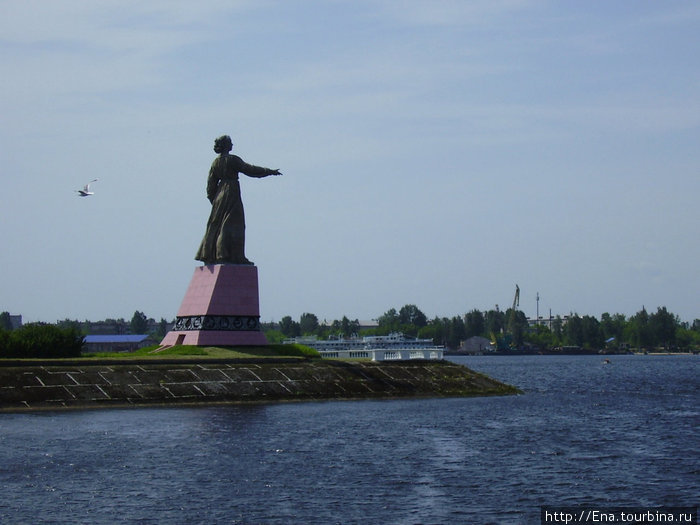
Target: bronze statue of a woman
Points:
(224, 239)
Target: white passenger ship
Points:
(395, 346)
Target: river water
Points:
(584, 432)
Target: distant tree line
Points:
(40, 340)
(510, 329)
(140, 323)
(66, 338)
(308, 324)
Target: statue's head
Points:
(223, 144)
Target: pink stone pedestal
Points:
(221, 308)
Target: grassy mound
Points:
(218, 352)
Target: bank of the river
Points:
(104, 383)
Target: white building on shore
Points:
(392, 347)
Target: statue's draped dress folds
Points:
(224, 239)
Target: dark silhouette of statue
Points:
(224, 239)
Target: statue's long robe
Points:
(224, 239)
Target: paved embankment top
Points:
(78, 384)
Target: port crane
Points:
(504, 341)
(511, 315)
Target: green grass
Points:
(215, 352)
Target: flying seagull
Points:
(86, 190)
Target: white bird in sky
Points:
(86, 190)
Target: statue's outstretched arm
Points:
(257, 171)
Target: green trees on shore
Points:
(511, 329)
(140, 323)
(507, 330)
(65, 338)
(40, 340)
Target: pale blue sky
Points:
(434, 153)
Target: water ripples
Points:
(583, 433)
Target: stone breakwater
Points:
(81, 384)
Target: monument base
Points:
(213, 338)
(220, 308)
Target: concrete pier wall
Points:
(77, 384)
